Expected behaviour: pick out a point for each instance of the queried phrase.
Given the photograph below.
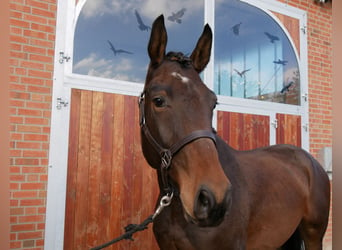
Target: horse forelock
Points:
(179, 57)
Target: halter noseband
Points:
(166, 154)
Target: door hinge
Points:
(305, 127)
(61, 103)
(274, 123)
(303, 29)
(63, 57)
(305, 97)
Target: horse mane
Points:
(179, 57)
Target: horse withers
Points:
(275, 197)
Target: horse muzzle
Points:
(207, 212)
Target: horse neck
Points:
(224, 148)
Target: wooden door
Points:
(289, 129)
(249, 131)
(243, 131)
(109, 184)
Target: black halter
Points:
(166, 154)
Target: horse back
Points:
(285, 186)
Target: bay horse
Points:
(275, 197)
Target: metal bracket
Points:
(305, 97)
(63, 58)
(61, 103)
(274, 123)
(306, 127)
(303, 29)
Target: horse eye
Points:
(159, 102)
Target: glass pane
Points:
(111, 37)
(254, 58)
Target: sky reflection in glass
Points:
(111, 37)
(253, 56)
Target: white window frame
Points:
(64, 80)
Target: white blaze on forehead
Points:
(177, 75)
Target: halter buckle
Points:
(166, 158)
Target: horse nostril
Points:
(204, 198)
(204, 203)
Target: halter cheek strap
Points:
(166, 154)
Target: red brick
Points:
(43, 13)
(28, 145)
(32, 178)
(39, 73)
(19, 23)
(40, 58)
(34, 169)
(37, 121)
(33, 65)
(38, 89)
(28, 243)
(45, 28)
(42, 43)
(35, 19)
(17, 211)
(36, 34)
(30, 235)
(38, 4)
(20, 7)
(31, 218)
(20, 95)
(31, 202)
(35, 50)
(32, 80)
(26, 162)
(29, 112)
(29, 128)
(22, 227)
(33, 186)
(15, 245)
(18, 39)
(19, 55)
(38, 105)
(35, 153)
(35, 137)
(24, 194)
(31, 211)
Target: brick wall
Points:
(32, 35)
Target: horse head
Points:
(176, 118)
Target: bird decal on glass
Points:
(141, 26)
(117, 51)
(242, 73)
(286, 87)
(271, 37)
(236, 29)
(176, 17)
(282, 62)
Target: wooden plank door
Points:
(109, 183)
(289, 129)
(243, 131)
(249, 131)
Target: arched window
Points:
(111, 37)
(254, 57)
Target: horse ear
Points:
(158, 40)
(201, 54)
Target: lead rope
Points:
(133, 228)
